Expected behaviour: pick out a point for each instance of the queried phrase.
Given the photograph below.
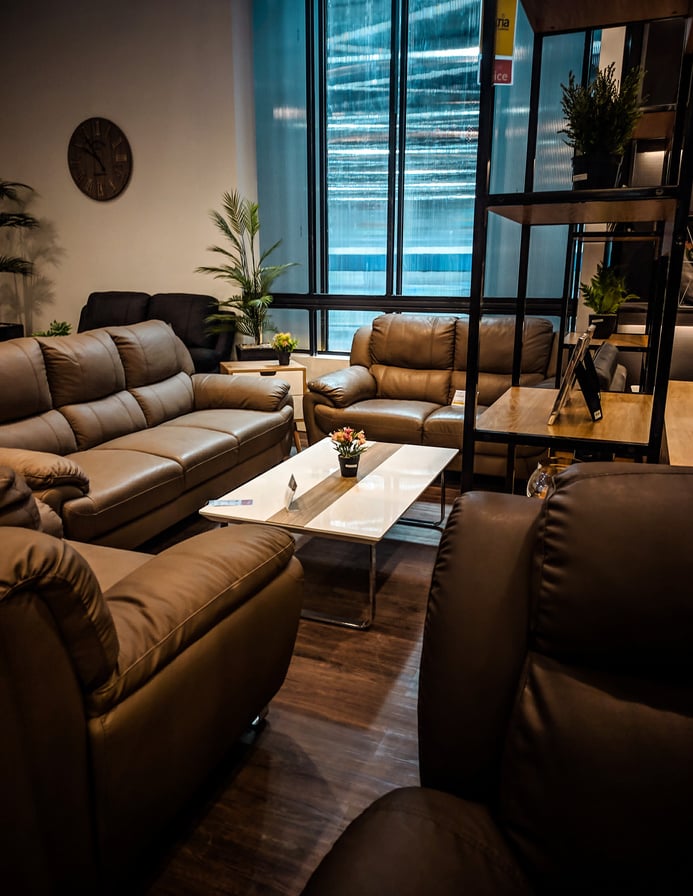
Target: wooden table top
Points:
(678, 423)
(524, 412)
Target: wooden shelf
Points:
(521, 415)
(557, 15)
(585, 206)
(626, 342)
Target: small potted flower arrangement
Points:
(284, 344)
(349, 445)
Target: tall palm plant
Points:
(13, 264)
(244, 267)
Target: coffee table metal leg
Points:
(362, 624)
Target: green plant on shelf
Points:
(606, 291)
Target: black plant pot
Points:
(604, 325)
(283, 358)
(600, 171)
(255, 352)
(349, 466)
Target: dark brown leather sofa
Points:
(555, 702)
(404, 371)
(185, 312)
(124, 680)
(115, 431)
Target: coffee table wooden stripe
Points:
(325, 493)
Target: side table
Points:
(293, 373)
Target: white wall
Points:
(176, 76)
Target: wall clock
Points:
(99, 158)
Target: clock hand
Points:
(92, 152)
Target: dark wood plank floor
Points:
(341, 731)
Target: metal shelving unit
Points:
(664, 207)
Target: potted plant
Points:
(284, 344)
(349, 445)
(605, 294)
(245, 268)
(600, 121)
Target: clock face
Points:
(99, 158)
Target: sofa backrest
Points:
(157, 368)
(420, 358)
(27, 415)
(187, 314)
(496, 346)
(87, 383)
(600, 735)
(411, 357)
(113, 308)
(72, 392)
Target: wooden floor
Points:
(341, 731)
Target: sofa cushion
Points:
(201, 453)
(83, 367)
(164, 400)
(186, 313)
(381, 419)
(401, 383)
(21, 364)
(413, 342)
(94, 422)
(150, 352)
(124, 485)
(420, 840)
(48, 432)
(496, 346)
(252, 431)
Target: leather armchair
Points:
(124, 680)
(555, 701)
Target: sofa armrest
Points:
(345, 387)
(475, 601)
(43, 470)
(174, 599)
(252, 393)
(36, 567)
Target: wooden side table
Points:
(293, 373)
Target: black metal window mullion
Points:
(320, 219)
(392, 178)
(401, 144)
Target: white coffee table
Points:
(390, 479)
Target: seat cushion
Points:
(201, 453)
(414, 841)
(381, 419)
(123, 485)
(252, 431)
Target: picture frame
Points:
(580, 367)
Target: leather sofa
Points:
(404, 371)
(185, 312)
(555, 710)
(125, 679)
(115, 431)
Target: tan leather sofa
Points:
(124, 680)
(404, 371)
(114, 430)
(555, 702)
